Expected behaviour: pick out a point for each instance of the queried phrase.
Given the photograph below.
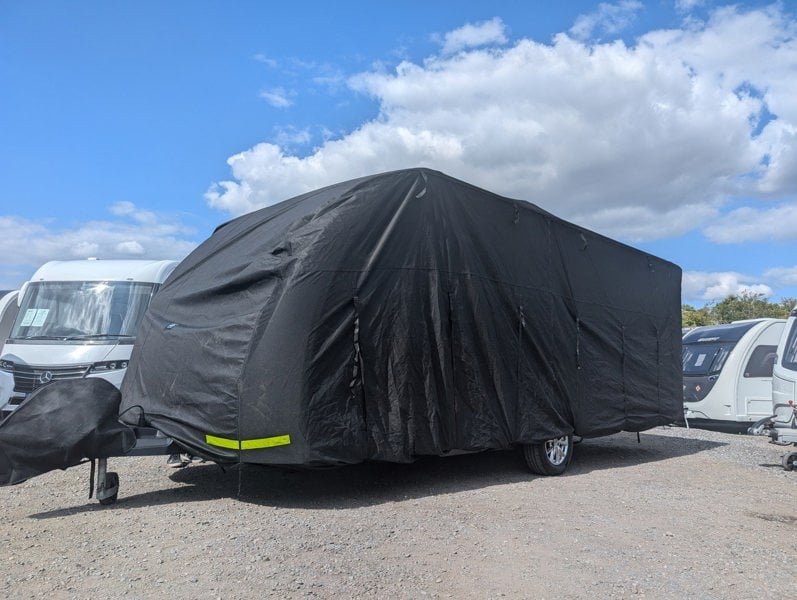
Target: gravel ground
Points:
(683, 514)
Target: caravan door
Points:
(754, 391)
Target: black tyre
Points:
(789, 461)
(550, 457)
(112, 485)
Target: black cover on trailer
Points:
(405, 314)
(59, 426)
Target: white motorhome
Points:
(76, 319)
(728, 373)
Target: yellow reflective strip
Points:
(222, 442)
(269, 442)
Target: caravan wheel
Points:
(109, 492)
(789, 461)
(550, 457)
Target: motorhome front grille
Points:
(27, 379)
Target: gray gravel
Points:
(683, 514)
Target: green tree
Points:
(694, 317)
(786, 306)
(736, 307)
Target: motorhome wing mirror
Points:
(21, 294)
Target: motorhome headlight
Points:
(6, 365)
(108, 365)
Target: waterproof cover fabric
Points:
(404, 314)
(59, 426)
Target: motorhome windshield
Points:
(81, 310)
(705, 359)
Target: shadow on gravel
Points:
(379, 483)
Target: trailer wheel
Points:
(550, 457)
(110, 491)
(788, 461)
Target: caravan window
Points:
(705, 359)
(789, 360)
(761, 362)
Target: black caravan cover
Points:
(61, 425)
(405, 314)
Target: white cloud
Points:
(130, 247)
(123, 208)
(84, 249)
(701, 286)
(609, 19)
(289, 136)
(474, 35)
(748, 224)
(263, 59)
(688, 5)
(143, 217)
(277, 97)
(782, 275)
(641, 142)
(640, 223)
(781, 174)
(134, 233)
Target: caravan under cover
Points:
(404, 314)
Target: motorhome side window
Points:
(81, 309)
(761, 362)
(789, 360)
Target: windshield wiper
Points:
(86, 336)
(98, 336)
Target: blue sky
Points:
(132, 129)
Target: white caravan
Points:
(76, 319)
(728, 373)
(784, 375)
(781, 427)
